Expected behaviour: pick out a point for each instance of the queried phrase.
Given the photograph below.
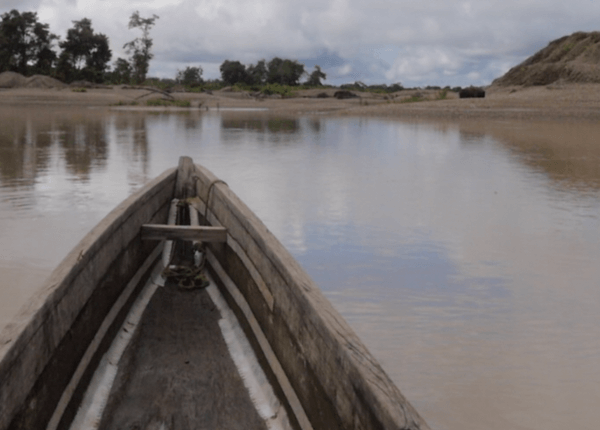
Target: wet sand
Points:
(553, 102)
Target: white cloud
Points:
(346, 69)
(473, 76)
(431, 63)
(21, 5)
(416, 43)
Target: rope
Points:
(210, 187)
(190, 278)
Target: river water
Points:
(464, 254)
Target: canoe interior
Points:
(324, 375)
(41, 348)
(177, 371)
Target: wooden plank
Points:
(197, 207)
(172, 220)
(184, 187)
(183, 232)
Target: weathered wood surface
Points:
(244, 313)
(41, 348)
(177, 371)
(85, 364)
(183, 232)
(337, 380)
(185, 185)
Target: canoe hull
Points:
(42, 347)
(324, 374)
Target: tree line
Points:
(27, 47)
(277, 71)
(282, 72)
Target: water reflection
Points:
(190, 121)
(568, 152)
(131, 131)
(84, 144)
(464, 254)
(24, 150)
(29, 136)
(470, 137)
(262, 125)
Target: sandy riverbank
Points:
(568, 101)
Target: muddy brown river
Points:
(464, 254)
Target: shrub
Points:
(282, 90)
(122, 103)
(189, 77)
(168, 103)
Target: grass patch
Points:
(282, 90)
(122, 103)
(193, 89)
(568, 46)
(79, 90)
(169, 103)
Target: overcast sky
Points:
(416, 43)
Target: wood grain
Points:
(183, 232)
(184, 187)
(336, 380)
(41, 347)
(177, 371)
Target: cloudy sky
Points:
(416, 43)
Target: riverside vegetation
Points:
(27, 59)
(27, 47)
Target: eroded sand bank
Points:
(567, 101)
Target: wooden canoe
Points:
(176, 371)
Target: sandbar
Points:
(552, 102)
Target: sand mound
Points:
(40, 81)
(12, 80)
(16, 80)
(574, 58)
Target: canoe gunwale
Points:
(31, 344)
(326, 374)
(338, 381)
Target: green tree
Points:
(257, 74)
(395, 87)
(284, 72)
(85, 54)
(139, 48)
(25, 44)
(233, 72)
(121, 73)
(191, 76)
(315, 77)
